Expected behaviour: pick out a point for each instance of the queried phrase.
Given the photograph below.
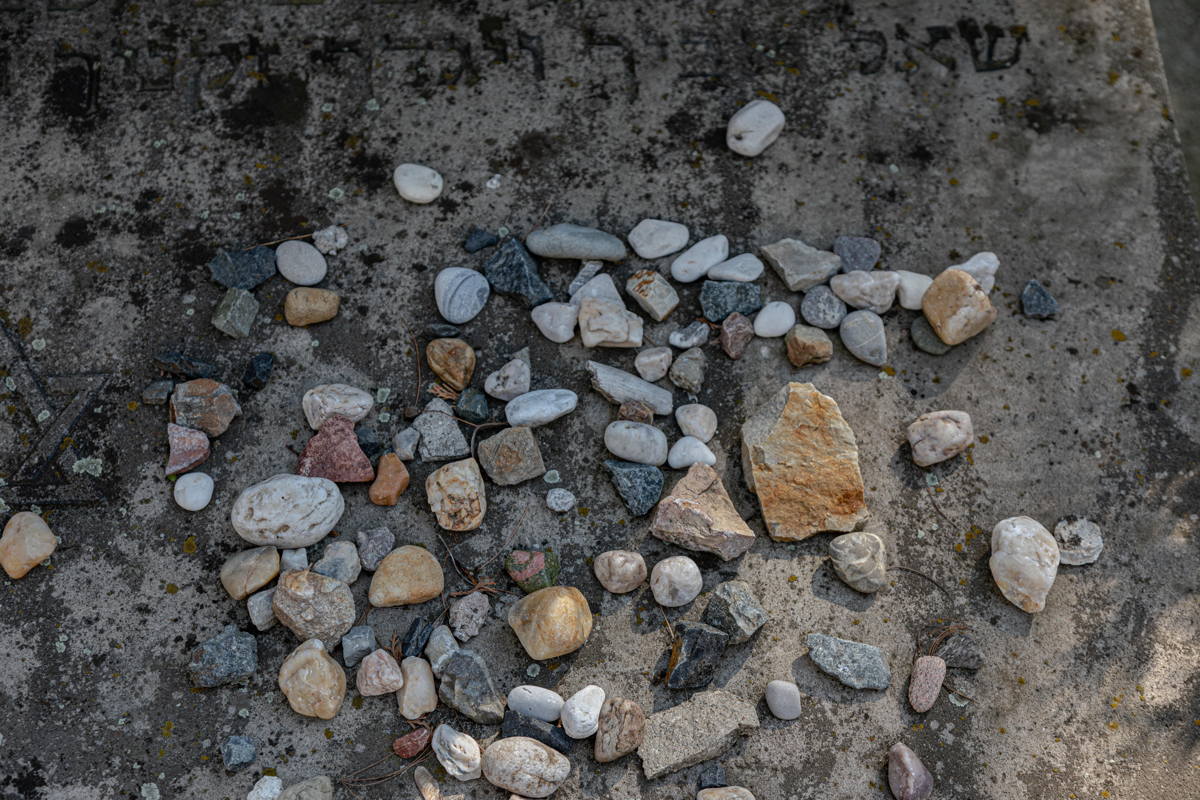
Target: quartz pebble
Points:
(457, 496)
(405, 443)
(925, 683)
(783, 699)
(300, 262)
(246, 572)
(653, 293)
(858, 665)
(511, 456)
(655, 238)
(719, 299)
(619, 730)
(734, 609)
(696, 420)
(800, 266)
(1024, 562)
(425, 784)
(259, 607)
(581, 712)
(330, 240)
(457, 752)
(204, 404)
(378, 673)
(808, 345)
(957, 307)
(860, 559)
(736, 334)
(695, 262)
(391, 479)
(907, 776)
(1037, 302)
(636, 442)
(874, 290)
(468, 688)
(688, 451)
(694, 334)
(460, 294)
(754, 127)
(863, 335)
(939, 435)
(821, 308)
(696, 652)
(418, 696)
(744, 267)
(417, 183)
(314, 606)
(598, 286)
(235, 314)
(676, 581)
(619, 571)
(407, 575)
(910, 291)
(452, 360)
(536, 702)
(334, 453)
(687, 371)
(313, 683)
(925, 339)
(267, 787)
(551, 622)
(340, 562)
(775, 319)
(540, 407)
(532, 569)
(467, 615)
(512, 270)
(556, 321)
(27, 541)
(229, 657)
(525, 766)
(357, 643)
(439, 437)
(287, 511)
(639, 485)
(335, 399)
(307, 306)
(698, 515)
(856, 252)
(565, 240)
(510, 381)
(982, 267)
(186, 448)
(1079, 541)
(242, 269)
(607, 323)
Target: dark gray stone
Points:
(258, 371)
(512, 270)
(242, 269)
(478, 238)
(185, 366)
(719, 299)
(961, 651)
(734, 609)
(373, 545)
(467, 687)
(858, 665)
(443, 330)
(370, 442)
(156, 394)
(472, 405)
(356, 643)
(695, 655)
(235, 313)
(416, 638)
(238, 752)
(1037, 302)
(640, 485)
(712, 777)
(856, 252)
(821, 308)
(925, 339)
(229, 657)
(517, 724)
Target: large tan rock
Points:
(957, 307)
(800, 457)
(525, 766)
(699, 515)
(551, 622)
(314, 606)
(457, 496)
(407, 575)
(27, 542)
(1024, 562)
(314, 684)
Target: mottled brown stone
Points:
(187, 448)
(622, 725)
(452, 360)
(698, 515)
(305, 305)
(737, 331)
(204, 404)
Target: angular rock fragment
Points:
(457, 496)
(334, 453)
(639, 485)
(512, 270)
(1079, 541)
(511, 456)
(703, 727)
(698, 515)
(229, 657)
(204, 404)
(860, 559)
(440, 437)
(799, 266)
(858, 665)
(957, 307)
(517, 724)
(687, 372)
(186, 448)
(314, 606)
(734, 610)
(468, 688)
(618, 386)
(654, 293)
(736, 334)
(808, 345)
(696, 653)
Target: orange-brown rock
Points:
(800, 457)
(551, 622)
(204, 404)
(391, 479)
(27, 542)
(698, 515)
(957, 307)
(305, 305)
(452, 360)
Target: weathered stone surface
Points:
(565, 240)
(411, 744)
(313, 683)
(510, 381)
(391, 480)
(186, 448)
(704, 727)
(467, 687)
(184, 365)
(426, 785)
(306, 306)
(907, 777)
(440, 437)
(517, 724)
(654, 293)
(478, 238)
(620, 729)
(860, 559)
(314, 606)
(457, 496)
(939, 435)
(512, 270)
(961, 651)
(242, 269)
(698, 515)
(333, 452)
(340, 562)
(404, 443)
(238, 752)
(636, 411)
(639, 485)
(416, 637)
(235, 314)
(551, 622)
(688, 370)
(287, 511)
(318, 788)
(619, 571)
(457, 752)
(799, 266)
(652, 363)
(821, 308)
(857, 252)
(204, 404)
(618, 386)
(246, 572)
(157, 392)
(696, 653)
(858, 665)
(696, 420)
(540, 407)
(1024, 562)
(675, 581)
(808, 345)
(532, 569)
(378, 673)
(331, 239)
(925, 683)
(452, 360)
(229, 657)
(604, 322)
(460, 294)
(874, 289)
(525, 766)
(734, 609)
(357, 643)
(511, 456)
(1079, 541)
(335, 399)
(719, 299)
(736, 334)
(373, 545)
(956, 307)
(418, 696)
(863, 334)
(783, 699)
(468, 614)
(694, 334)
(440, 647)
(800, 457)
(754, 127)
(407, 575)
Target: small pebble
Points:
(229, 657)
(687, 371)
(655, 238)
(821, 308)
(653, 293)
(676, 581)
(334, 453)
(260, 608)
(441, 438)
(468, 614)
(335, 399)
(247, 571)
(695, 655)
(378, 673)
(391, 480)
(460, 294)
(307, 306)
(300, 262)
(712, 777)
(620, 731)
(1079, 541)
(754, 128)
(939, 435)
(186, 448)
(525, 767)
(619, 571)
(910, 291)
(1037, 302)
(719, 299)
(517, 724)
(452, 360)
(411, 744)
(688, 451)
(540, 407)
(925, 682)
(858, 665)
(744, 267)
(184, 365)
(580, 714)
(235, 313)
(510, 381)
(774, 320)
(565, 240)
(293, 559)
(267, 787)
(589, 270)
(472, 405)
(242, 269)
(340, 562)
(925, 339)
(636, 411)
(734, 609)
(356, 643)
(457, 752)
(957, 307)
(639, 485)
(405, 443)
(982, 267)
(807, 345)
(26, 542)
(607, 323)
(156, 394)
(416, 638)
(907, 776)
(856, 252)
(863, 335)
(238, 752)
(417, 183)
(556, 321)
(512, 270)
(287, 511)
(330, 240)
(406, 576)
(636, 442)
(532, 569)
(874, 290)
(600, 285)
(694, 335)
(536, 702)
(418, 697)
(551, 622)
(696, 420)
(258, 371)
(560, 500)
(695, 262)
(736, 334)
(1024, 562)
(783, 699)
(800, 266)
(193, 491)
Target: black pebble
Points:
(442, 330)
(370, 442)
(696, 654)
(517, 724)
(416, 638)
(472, 405)
(258, 371)
(185, 366)
(478, 238)
(512, 270)
(712, 777)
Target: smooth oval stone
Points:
(540, 407)
(676, 581)
(1079, 541)
(619, 571)
(305, 306)
(688, 451)
(655, 238)
(556, 321)
(313, 683)
(418, 696)
(525, 766)
(695, 262)
(857, 252)
(821, 308)
(743, 267)
(300, 262)
(407, 575)
(1024, 562)
(193, 491)
(246, 572)
(907, 777)
(287, 511)
(551, 622)
(754, 127)
(910, 292)
(458, 752)
(536, 702)
(417, 183)
(860, 559)
(863, 335)
(560, 500)
(874, 290)
(696, 420)
(620, 729)
(580, 714)
(636, 442)
(774, 320)
(27, 541)
(565, 240)
(783, 698)
(335, 399)
(925, 683)
(939, 435)
(460, 294)
(378, 673)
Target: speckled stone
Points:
(314, 606)
(856, 252)
(156, 393)
(411, 744)
(719, 299)
(468, 688)
(639, 485)
(242, 269)
(204, 404)
(619, 730)
(636, 411)
(334, 453)
(687, 371)
(907, 776)
(238, 752)
(1037, 302)
(373, 545)
(511, 456)
(457, 496)
(858, 665)
(737, 331)
(440, 437)
(620, 571)
(532, 569)
(468, 614)
(512, 270)
(821, 308)
(187, 448)
(696, 653)
(229, 657)
(1079, 541)
(694, 334)
(925, 682)
(735, 610)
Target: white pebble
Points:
(754, 127)
(982, 267)
(457, 752)
(556, 321)
(655, 238)
(695, 262)
(745, 267)
(460, 294)
(774, 320)
(911, 289)
(540, 407)
(581, 713)
(696, 420)
(300, 262)
(560, 500)
(675, 581)
(873, 290)
(636, 442)
(193, 491)
(510, 381)
(417, 183)
(939, 435)
(783, 698)
(653, 363)
(601, 286)
(324, 401)
(268, 788)
(536, 702)
(690, 450)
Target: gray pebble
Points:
(719, 299)
(1079, 541)
(235, 313)
(863, 335)
(925, 339)
(734, 609)
(300, 262)
(460, 294)
(694, 335)
(858, 665)
(405, 443)
(565, 240)
(1037, 302)
(821, 308)
(340, 562)
(687, 371)
(156, 393)
(242, 269)
(358, 642)
(296, 558)
(856, 252)
(373, 545)
(441, 438)
(560, 500)
(238, 752)
(229, 657)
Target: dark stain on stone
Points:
(26, 781)
(373, 169)
(279, 100)
(75, 232)
(683, 124)
(71, 93)
(532, 148)
(15, 246)
(278, 197)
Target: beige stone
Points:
(418, 696)
(551, 622)
(939, 435)
(957, 307)
(407, 575)
(698, 515)
(452, 360)
(456, 495)
(808, 345)
(800, 457)
(27, 542)
(860, 559)
(246, 572)
(378, 673)
(620, 571)
(314, 606)
(525, 766)
(725, 793)
(622, 724)
(604, 322)
(1024, 562)
(314, 684)
(307, 306)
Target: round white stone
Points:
(417, 184)
(460, 294)
(636, 442)
(754, 127)
(911, 289)
(655, 238)
(696, 420)
(653, 363)
(300, 262)
(783, 698)
(581, 713)
(873, 290)
(556, 321)
(540, 407)
(675, 581)
(322, 402)
(690, 450)
(774, 320)
(939, 435)
(287, 511)
(560, 500)
(193, 491)
(695, 262)
(536, 702)
(457, 752)
(745, 267)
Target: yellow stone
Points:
(307, 306)
(551, 622)
(27, 542)
(407, 575)
(957, 307)
(314, 684)
(246, 572)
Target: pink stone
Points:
(526, 564)
(925, 683)
(333, 453)
(412, 743)
(188, 448)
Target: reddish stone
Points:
(204, 404)
(736, 333)
(333, 453)
(391, 481)
(636, 411)
(412, 743)
(188, 448)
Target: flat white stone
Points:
(540, 407)
(417, 183)
(675, 581)
(654, 293)
(287, 511)
(754, 127)
(939, 435)
(1079, 541)
(874, 290)
(689, 450)
(581, 712)
(982, 267)
(604, 322)
(652, 363)
(695, 262)
(457, 752)
(655, 238)
(536, 702)
(510, 381)
(618, 386)
(694, 335)
(418, 696)
(911, 289)
(744, 267)
(774, 320)
(601, 286)
(194, 490)
(783, 699)
(268, 787)
(636, 442)
(1024, 562)
(696, 420)
(300, 262)
(556, 321)
(322, 402)
(460, 294)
